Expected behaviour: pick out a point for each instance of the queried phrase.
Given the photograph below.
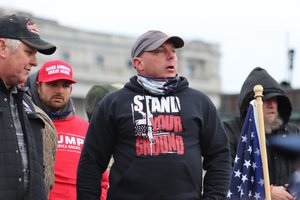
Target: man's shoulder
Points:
(232, 121)
(292, 127)
(73, 122)
(80, 119)
(233, 126)
(29, 106)
(74, 119)
(194, 94)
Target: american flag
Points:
(247, 178)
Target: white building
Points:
(105, 58)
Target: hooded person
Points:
(280, 162)
(95, 95)
(51, 89)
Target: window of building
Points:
(129, 64)
(99, 60)
(190, 70)
(195, 68)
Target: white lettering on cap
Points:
(64, 71)
(55, 69)
(51, 68)
(63, 67)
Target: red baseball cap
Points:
(55, 70)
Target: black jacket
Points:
(280, 161)
(184, 126)
(11, 174)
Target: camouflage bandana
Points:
(162, 86)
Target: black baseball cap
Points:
(24, 29)
(153, 39)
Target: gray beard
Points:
(274, 125)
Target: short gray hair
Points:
(12, 44)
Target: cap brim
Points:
(42, 46)
(175, 40)
(271, 95)
(56, 79)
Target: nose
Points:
(171, 54)
(59, 89)
(270, 103)
(33, 61)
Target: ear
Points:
(138, 63)
(2, 48)
(38, 87)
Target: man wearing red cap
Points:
(21, 139)
(51, 89)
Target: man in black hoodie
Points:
(277, 110)
(158, 129)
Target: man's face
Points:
(162, 62)
(270, 110)
(18, 64)
(271, 117)
(55, 95)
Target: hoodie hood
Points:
(135, 86)
(271, 89)
(31, 81)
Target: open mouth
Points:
(170, 67)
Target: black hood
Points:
(259, 76)
(135, 86)
(31, 84)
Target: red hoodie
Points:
(71, 134)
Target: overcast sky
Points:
(250, 33)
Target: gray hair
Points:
(12, 44)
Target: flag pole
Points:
(258, 90)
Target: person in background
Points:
(21, 162)
(95, 95)
(158, 129)
(51, 89)
(277, 110)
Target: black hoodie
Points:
(279, 161)
(165, 164)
